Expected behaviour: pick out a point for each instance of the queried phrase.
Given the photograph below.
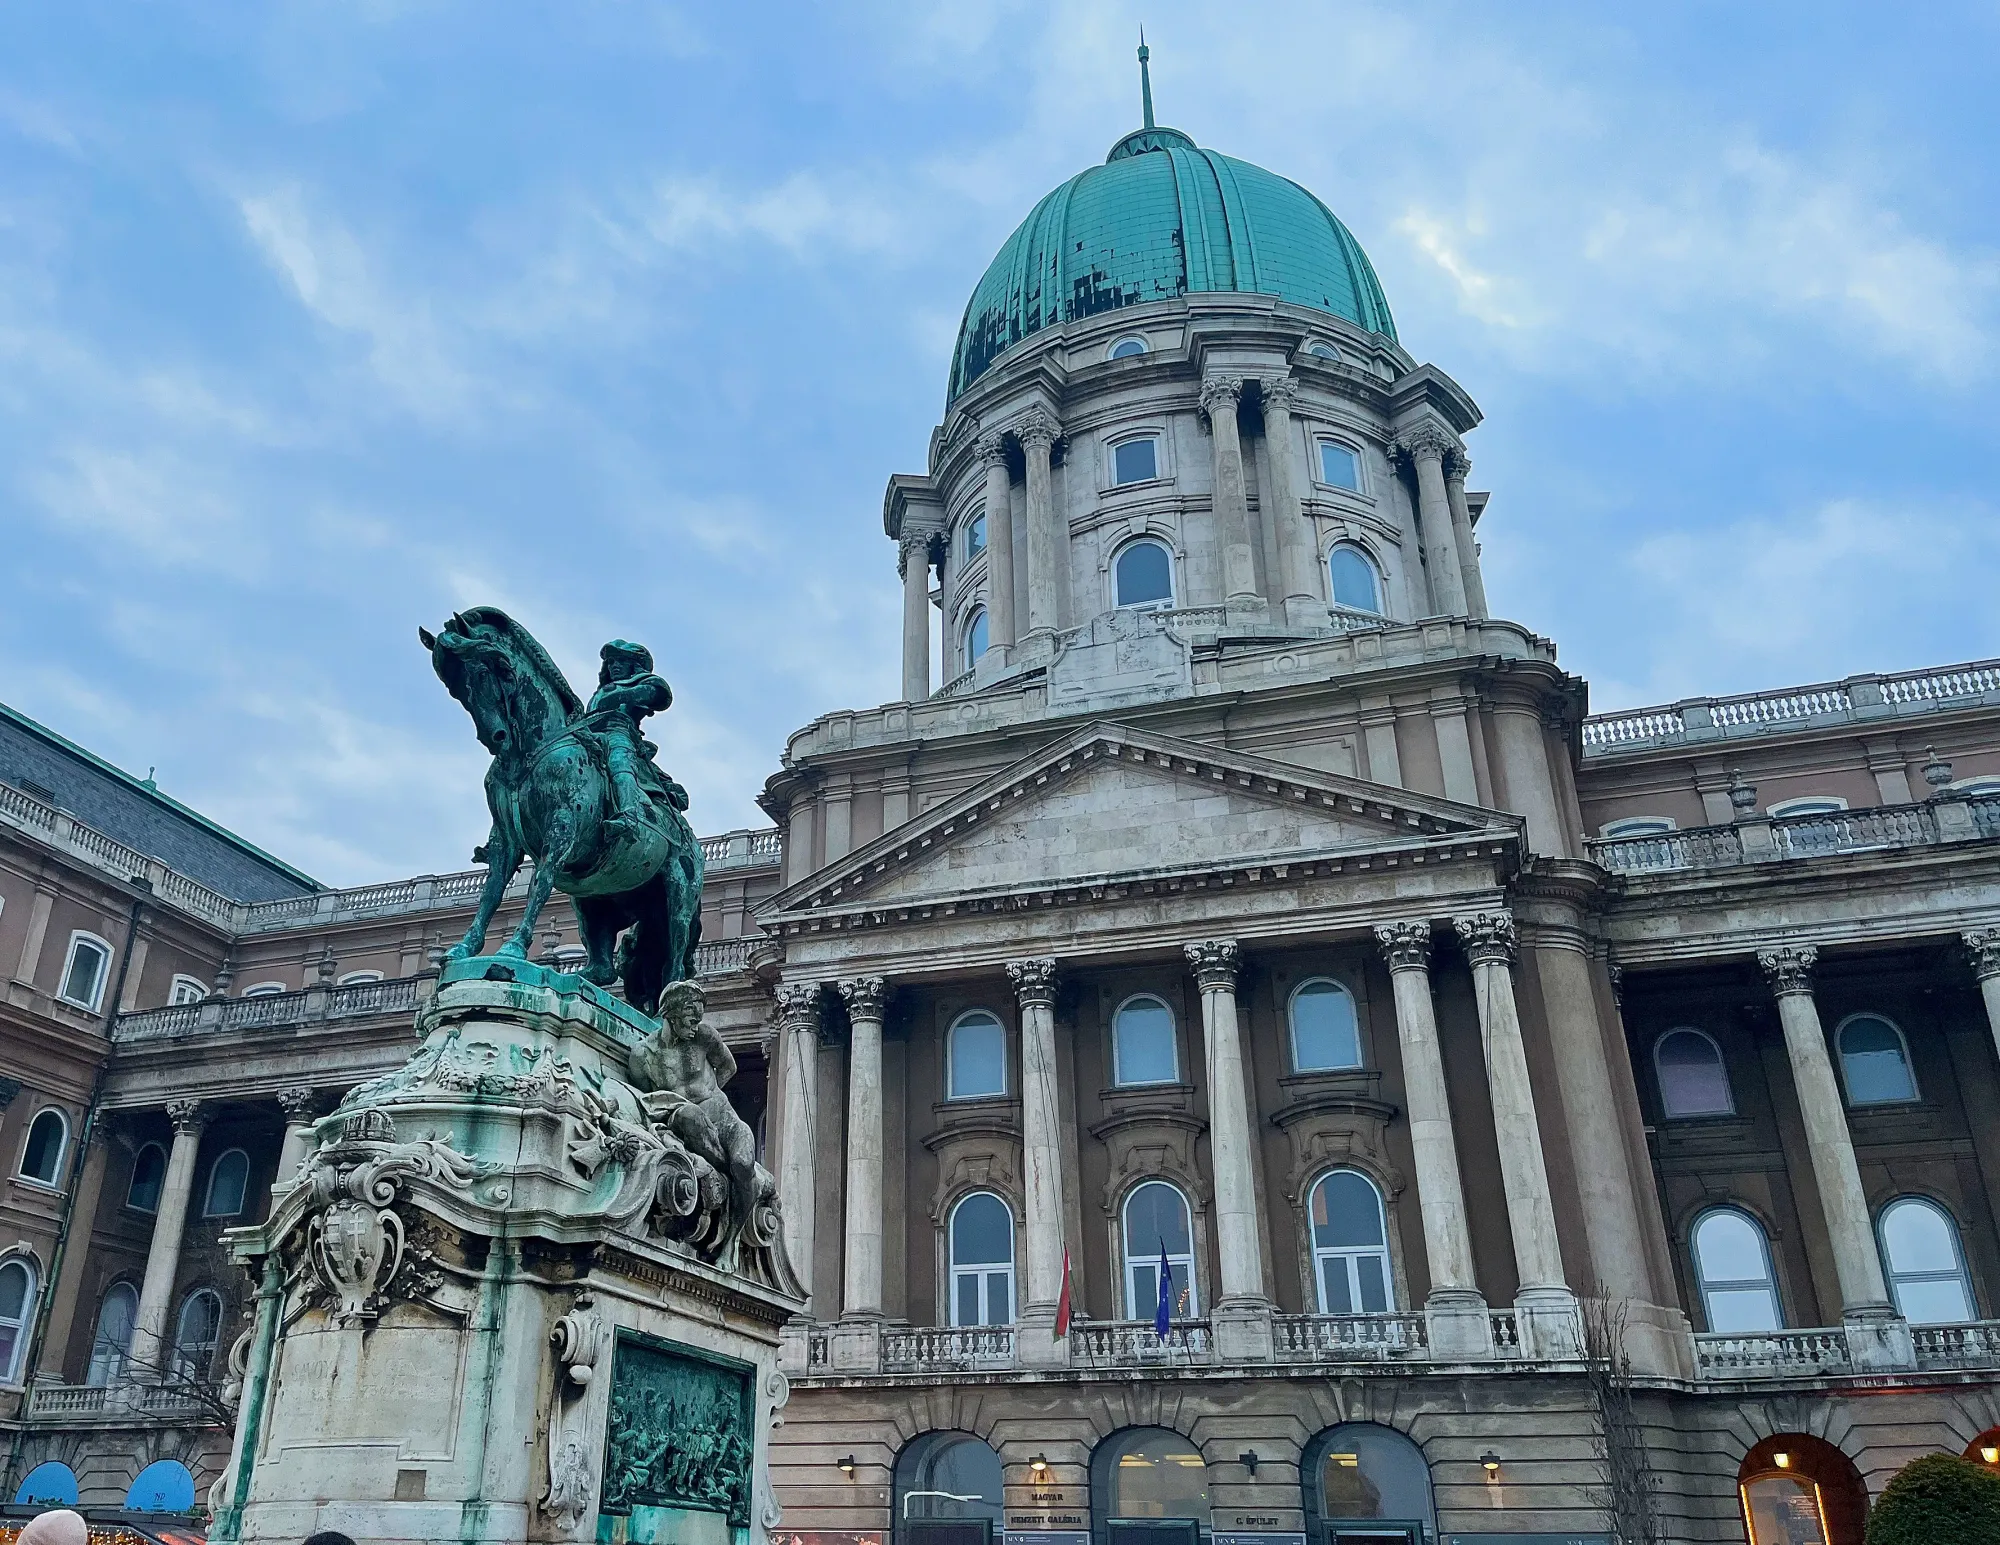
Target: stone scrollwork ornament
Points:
(576, 1344)
(355, 1250)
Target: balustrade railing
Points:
(67, 1399)
(944, 1349)
(1797, 836)
(1120, 1343)
(1341, 1338)
(1851, 831)
(819, 1347)
(1976, 1345)
(1772, 1354)
(1506, 1332)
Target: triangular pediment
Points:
(1111, 806)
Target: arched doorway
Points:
(1801, 1490)
(1364, 1482)
(947, 1491)
(1149, 1486)
(50, 1484)
(164, 1486)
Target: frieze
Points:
(681, 1430)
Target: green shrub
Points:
(1938, 1499)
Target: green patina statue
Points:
(575, 789)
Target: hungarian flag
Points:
(1062, 1303)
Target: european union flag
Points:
(1163, 1316)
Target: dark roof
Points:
(40, 762)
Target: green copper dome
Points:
(1162, 219)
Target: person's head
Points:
(622, 661)
(682, 1006)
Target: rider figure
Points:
(627, 693)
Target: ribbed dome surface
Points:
(1160, 219)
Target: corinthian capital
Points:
(1034, 981)
(1983, 945)
(297, 1103)
(188, 1116)
(991, 449)
(1457, 465)
(1278, 392)
(1220, 394)
(798, 1006)
(1405, 945)
(1037, 429)
(1214, 962)
(1425, 442)
(1488, 937)
(1789, 968)
(913, 545)
(864, 996)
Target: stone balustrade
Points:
(1349, 1338)
(948, 1349)
(1857, 699)
(1926, 824)
(1775, 1354)
(83, 1404)
(1136, 1344)
(1976, 1345)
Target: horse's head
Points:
(482, 665)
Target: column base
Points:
(1458, 1325)
(1551, 1328)
(1246, 611)
(1243, 1331)
(1305, 611)
(1878, 1339)
(1035, 1344)
(855, 1346)
(795, 1347)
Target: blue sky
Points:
(320, 320)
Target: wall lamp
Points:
(1782, 1461)
(1039, 1465)
(1248, 1459)
(845, 1465)
(1491, 1461)
(1990, 1453)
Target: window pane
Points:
(226, 1184)
(1127, 348)
(1741, 1310)
(86, 963)
(1934, 1301)
(1353, 580)
(975, 640)
(975, 536)
(999, 1311)
(1145, 1287)
(968, 1300)
(149, 1171)
(1159, 1475)
(1918, 1239)
(978, 1057)
(1338, 466)
(13, 1290)
(981, 1231)
(1144, 575)
(1871, 1055)
(1135, 461)
(1156, 1217)
(1692, 1079)
(1346, 1211)
(1374, 1289)
(1143, 1038)
(1333, 1274)
(44, 1149)
(1728, 1247)
(1324, 1032)
(1785, 1508)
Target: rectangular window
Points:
(84, 975)
(975, 537)
(1338, 466)
(1135, 461)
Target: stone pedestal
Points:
(1879, 1342)
(501, 1304)
(1458, 1325)
(1243, 1331)
(1551, 1327)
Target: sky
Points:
(321, 320)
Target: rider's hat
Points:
(620, 649)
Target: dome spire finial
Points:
(1145, 77)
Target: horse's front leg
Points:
(501, 862)
(559, 839)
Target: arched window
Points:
(982, 1261)
(1364, 1471)
(164, 1486)
(1325, 1031)
(942, 1479)
(1128, 348)
(111, 1347)
(1339, 467)
(1811, 804)
(1142, 1043)
(149, 1173)
(84, 971)
(228, 1181)
(1926, 1264)
(1350, 1245)
(1157, 1223)
(1732, 1263)
(265, 990)
(186, 989)
(1144, 575)
(975, 536)
(1356, 583)
(1148, 1475)
(1639, 826)
(1874, 1061)
(42, 1156)
(974, 644)
(356, 978)
(1320, 349)
(1693, 1081)
(17, 1308)
(50, 1484)
(975, 1057)
(1135, 461)
(195, 1334)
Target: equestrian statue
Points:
(575, 789)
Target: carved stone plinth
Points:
(505, 1303)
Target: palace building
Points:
(1248, 1057)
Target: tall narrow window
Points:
(1339, 467)
(1926, 1265)
(41, 1158)
(975, 1057)
(111, 1348)
(975, 639)
(1732, 1262)
(1142, 1043)
(83, 972)
(1325, 1031)
(1156, 1223)
(1693, 1081)
(982, 1261)
(1135, 461)
(17, 1305)
(1350, 1245)
(1356, 583)
(149, 1174)
(1144, 575)
(975, 536)
(228, 1181)
(195, 1334)
(1875, 1061)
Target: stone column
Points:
(1983, 944)
(798, 1049)
(1239, 1241)
(1048, 532)
(1457, 466)
(913, 562)
(1525, 770)
(1034, 984)
(163, 1255)
(992, 451)
(297, 1104)
(1456, 1307)
(1219, 397)
(1298, 551)
(1544, 1304)
(1426, 448)
(1864, 1295)
(861, 1288)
